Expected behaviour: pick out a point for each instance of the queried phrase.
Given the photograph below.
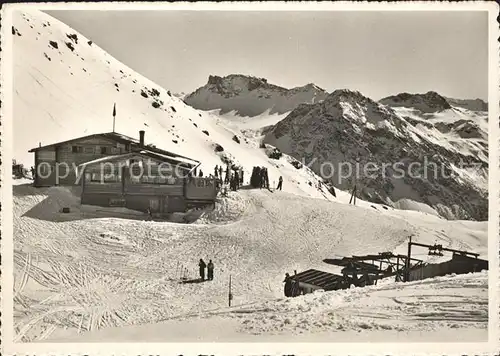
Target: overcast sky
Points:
(377, 53)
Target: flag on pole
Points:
(114, 115)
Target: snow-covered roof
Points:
(145, 153)
(177, 158)
(105, 159)
(130, 140)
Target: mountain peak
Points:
(251, 96)
(428, 102)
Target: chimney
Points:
(141, 137)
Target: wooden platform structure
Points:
(383, 264)
(312, 279)
(366, 270)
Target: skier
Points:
(288, 285)
(232, 183)
(280, 183)
(202, 266)
(236, 180)
(228, 174)
(210, 270)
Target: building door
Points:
(165, 204)
(154, 205)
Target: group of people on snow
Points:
(210, 270)
(232, 177)
(260, 179)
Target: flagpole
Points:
(114, 115)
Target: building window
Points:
(134, 179)
(111, 178)
(117, 202)
(44, 169)
(96, 177)
(104, 150)
(88, 150)
(76, 149)
(135, 162)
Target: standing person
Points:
(150, 214)
(288, 285)
(201, 173)
(210, 270)
(220, 172)
(216, 171)
(236, 180)
(228, 174)
(280, 183)
(202, 266)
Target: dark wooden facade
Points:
(56, 163)
(119, 181)
(459, 264)
(312, 279)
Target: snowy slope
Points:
(442, 309)
(64, 93)
(449, 145)
(89, 271)
(251, 96)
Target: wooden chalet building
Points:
(116, 170)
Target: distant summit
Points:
(469, 104)
(251, 96)
(429, 102)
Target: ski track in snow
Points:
(88, 273)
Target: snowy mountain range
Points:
(251, 96)
(339, 127)
(450, 144)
